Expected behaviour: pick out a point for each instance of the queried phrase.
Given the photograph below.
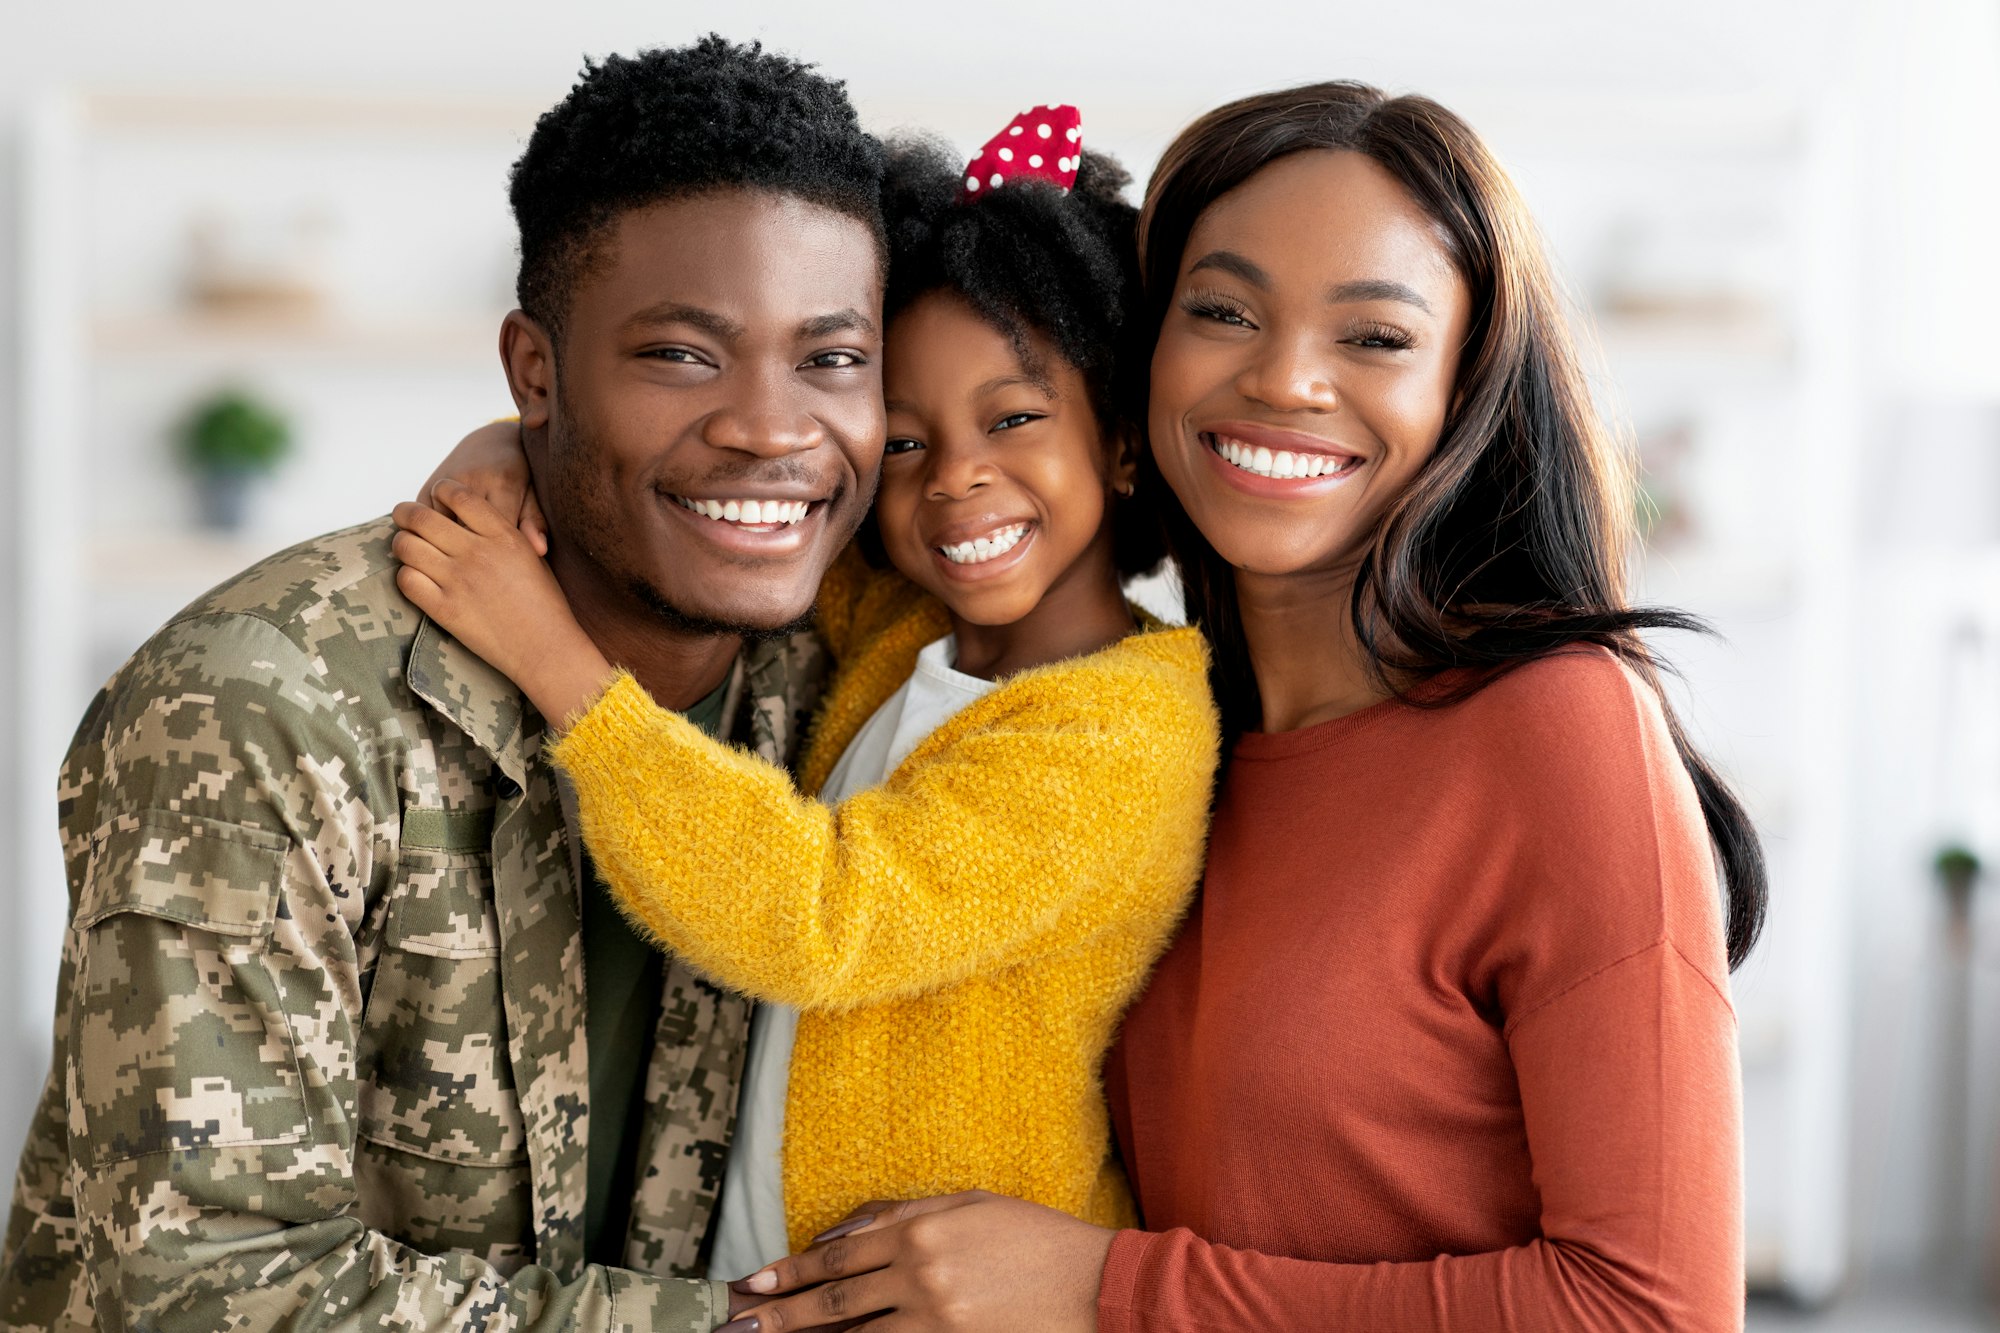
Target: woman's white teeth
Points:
(981, 549)
(759, 512)
(1284, 463)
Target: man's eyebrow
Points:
(1377, 289)
(694, 316)
(1234, 264)
(837, 321)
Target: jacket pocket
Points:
(179, 1037)
(435, 1080)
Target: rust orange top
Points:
(1447, 1041)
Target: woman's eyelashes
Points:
(1385, 337)
(1214, 306)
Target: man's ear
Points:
(528, 355)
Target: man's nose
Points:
(764, 421)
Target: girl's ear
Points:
(1124, 477)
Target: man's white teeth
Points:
(981, 549)
(760, 512)
(1284, 463)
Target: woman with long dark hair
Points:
(1446, 1043)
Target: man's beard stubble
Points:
(571, 453)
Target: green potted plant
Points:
(229, 440)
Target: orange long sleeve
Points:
(1447, 1042)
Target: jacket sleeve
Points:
(193, 1164)
(1070, 805)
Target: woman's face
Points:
(995, 476)
(1306, 362)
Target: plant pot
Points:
(223, 497)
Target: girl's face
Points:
(1306, 362)
(995, 476)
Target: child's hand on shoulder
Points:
(492, 463)
(476, 574)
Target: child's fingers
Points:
(534, 524)
(420, 588)
(415, 552)
(439, 529)
(469, 508)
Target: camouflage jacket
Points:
(320, 1056)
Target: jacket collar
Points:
(478, 700)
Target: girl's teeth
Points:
(760, 512)
(1283, 464)
(981, 549)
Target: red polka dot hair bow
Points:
(1045, 142)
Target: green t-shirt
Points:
(621, 984)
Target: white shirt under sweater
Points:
(750, 1228)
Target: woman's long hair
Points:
(1510, 543)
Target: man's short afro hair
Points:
(668, 123)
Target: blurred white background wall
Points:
(1777, 217)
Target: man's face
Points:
(713, 431)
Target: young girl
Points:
(1014, 765)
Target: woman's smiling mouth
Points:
(1280, 464)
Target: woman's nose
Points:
(1290, 375)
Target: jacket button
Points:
(506, 788)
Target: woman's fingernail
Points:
(759, 1282)
(747, 1324)
(848, 1227)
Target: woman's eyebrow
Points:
(1377, 289)
(1235, 265)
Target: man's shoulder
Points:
(338, 585)
(319, 625)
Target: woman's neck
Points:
(1299, 629)
(1082, 611)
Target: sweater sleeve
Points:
(1629, 1089)
(1036, 818)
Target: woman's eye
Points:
(1386, 339)
(902, 445)
(1012, 420)
(1218, 310)
(834, 360)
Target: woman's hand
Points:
(491, 462)
(476, 574)
(968, 1263)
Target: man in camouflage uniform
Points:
(321, 1055)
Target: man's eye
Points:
(834, 360)
(901, 445)
(681, 355)
(1016, 419)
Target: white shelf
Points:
(206, 341)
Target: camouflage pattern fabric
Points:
(319, 1050)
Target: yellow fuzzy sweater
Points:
(961, 940)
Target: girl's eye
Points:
(838, 360)
(901, 445)
(1218, 308)
(1016, 419)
